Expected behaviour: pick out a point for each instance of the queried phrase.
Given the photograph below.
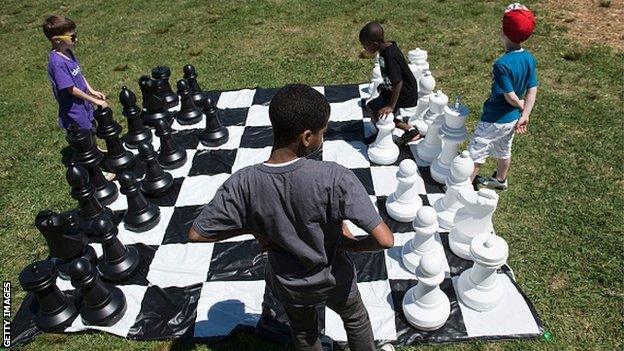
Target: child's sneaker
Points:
(494, 183)
(387, 347)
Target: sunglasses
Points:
(66, 37)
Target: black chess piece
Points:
(189, 113)
(157, 182)
(88, 156)
(141, 214)
(154, 106)
(55, 310)
(84, 193)
(214, 134)
(117, 158)
(65, 241)
(118, 261)
(103, 305)
(170, 155)
(163, 73)
(197, 93)
(137, 132)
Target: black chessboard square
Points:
(240, 260)
(431, 186)
(186, 139)
(453, 330)
(364, 176)
(180, 223)
(211, 162)
(213, 95)
(342, 93)
(264, 96)
(169, 199)
(456, 264)
(369, 266)
(257, 137)
(395, 226)
(345, 130)
(233, 116)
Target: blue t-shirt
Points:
(514, 71)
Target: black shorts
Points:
(382, 101)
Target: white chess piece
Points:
(403, 204)
(437, 103)
(459, 178)
(474, 218)
(376, 80)
(384, 151)
(425, 305)
(418, 62)
(426, 84)
(423, 243)
(478, 286)
(452, 133)
(429, 149)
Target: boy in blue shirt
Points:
(514, 90)
(296, 208)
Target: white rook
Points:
(452, 133)
(474, 218)
(423, 243)
(478, 287)
(383, 151)
(425, 305)
(459, 178)
(403, 204)
(437, 103)
(426, 84)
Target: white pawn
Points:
(452, 133)
(383, 151)
(478, 286)
(403, 204)
(423, 243)
(425, 305)
(447, 206)
(376, 80)
(475, 218)
(437, 103)
(418, 62)
(426, 84)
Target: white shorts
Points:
(491, 139)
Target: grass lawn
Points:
(562, 215)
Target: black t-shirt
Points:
(394, 69)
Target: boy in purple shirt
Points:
(70, 88)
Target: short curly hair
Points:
(57, 25)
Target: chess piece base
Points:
(478, 298)
(143, 222)
(439, 171)
(121, 270)
(411, 258)
(383, 156)
(158, 188)
(425, 317)
(459, 245)
(402, 212)
(57, 322)
(108, 314)
(214, 138)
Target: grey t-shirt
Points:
(300, 207)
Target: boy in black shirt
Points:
(296, 207)
(399, 88)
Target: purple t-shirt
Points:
(64, 73)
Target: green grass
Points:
(562, 216)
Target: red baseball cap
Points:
(518, 23)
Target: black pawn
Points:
(154, 108)
(157, 182)
(103, 305)
(141, 215)
(163, 73)
(214, 134)
(55, 310)
(189, 113)
(197, 93)
(137, 132)
(65, 241)
(84, 193)
(118, 261)
(87, 155)
(170, 155)
(117, 158)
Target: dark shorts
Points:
(382, 101)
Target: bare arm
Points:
(94, 92)
(523, 122)
(82, 95)
(513, 100)
(380, 238)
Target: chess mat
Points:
(205, 291)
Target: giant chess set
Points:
(120, 262)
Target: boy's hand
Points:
(100, 102)
(522, 125)
(384, 111)
(98, 95)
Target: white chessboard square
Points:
(236, 98)
(224, 305)
(258, 116)
(180, 264)
(498, 321)
(199, 190)
(186, 167)
(377, 299)
(153, 236)
(198, 125)
(247, 157)
(346, 111)
(134, 296)
(385, 180)
(394, 258)
(353, 154)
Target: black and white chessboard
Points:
(203, 290)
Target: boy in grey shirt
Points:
(296, 207)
